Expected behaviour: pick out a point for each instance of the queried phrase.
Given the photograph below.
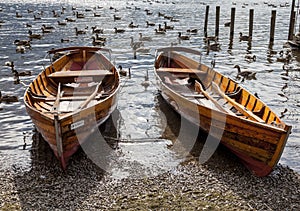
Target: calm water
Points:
(140, 121)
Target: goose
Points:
(28, 25)
(159, 32)
(8, 98)
(121, 71)
(48, 27)
(245, 74)
(46, 31)
(183, 37)
(18, 15)
(210, 38)
(35, 17)
(174, 20)
(193, 31)
(97, 15)
(284, 58)
(61, 23)
(146, 82)
(135, 45)
(64, 40)
(160, 14)
(168, 27)
(214, 46)
(227, 24)
(250, 57)
(116, 18)
(100, 38)
(97, 30)
(70, 20)
(150, 23)
(119, 30)
(97, 42)
(160, 28)
(20, 49)
(141, 38)
(22, 42)
(55, 14)
(79, 15)
(142, 50)
(131, 25)
(10, 64)
(168, 17)
(79, 31)
(244, 37)
(34, 36)
(24, 73)
(29, 11)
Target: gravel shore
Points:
(220, 184)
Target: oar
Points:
(55, 106)
(236, 105)
(199, 88)
(90, 98)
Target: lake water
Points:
(141, 119)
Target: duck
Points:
(131, 25)
(79, 31)
(22, 42)
(34, 36)
(61, 23)
(97, 42)
(146, 82)
(183, 37)
(116, 18)
(121, 71)
(141, 38)
(119, 30)
(250, 57)
(135, 45)
(150, 23)
(244, 37)
(8, 98)
(245, 74)
(97, 30)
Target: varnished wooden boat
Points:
(219, 105)
(71, 97)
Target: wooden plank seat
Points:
(180, 70)
(79, 73)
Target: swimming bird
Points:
(22, 42)
(46, 31)
(250, 57)
(20, 49)
(159, 32)
(97, 15)
(61, 23)
(213, 46)
(48, 27)
(79, 31)
(8, 98)
(183, 37)
(285, 58)
(23, 73)
(97, 42)
(193, 31)
(131, 25)
(245, 74)
(150, 23)
(79, 15)
(64, 40)
(168, 27)
(34, 36)
(100, 38)
(135, 45)
(227, 24)
(70, 20)
(119, 30)
(121, 71)
(142, 38)
(97, 30)
(244, 37)
(116, 18)
(35, 17)
(18, 15)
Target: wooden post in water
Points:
(232, 24)
(292, 21)
(272, 30)
(206, 20)
(217, 22)
(251, 22)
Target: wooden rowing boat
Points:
(71, 97)
(204, 96)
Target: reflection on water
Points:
(144, 123)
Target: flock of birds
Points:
(99, 36)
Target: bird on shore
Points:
(245, 74)
(244, 37)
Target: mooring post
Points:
(217, 22)
(272, 30)
(206, 21)
(232, 24)
(292, 21)
(251, 22)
